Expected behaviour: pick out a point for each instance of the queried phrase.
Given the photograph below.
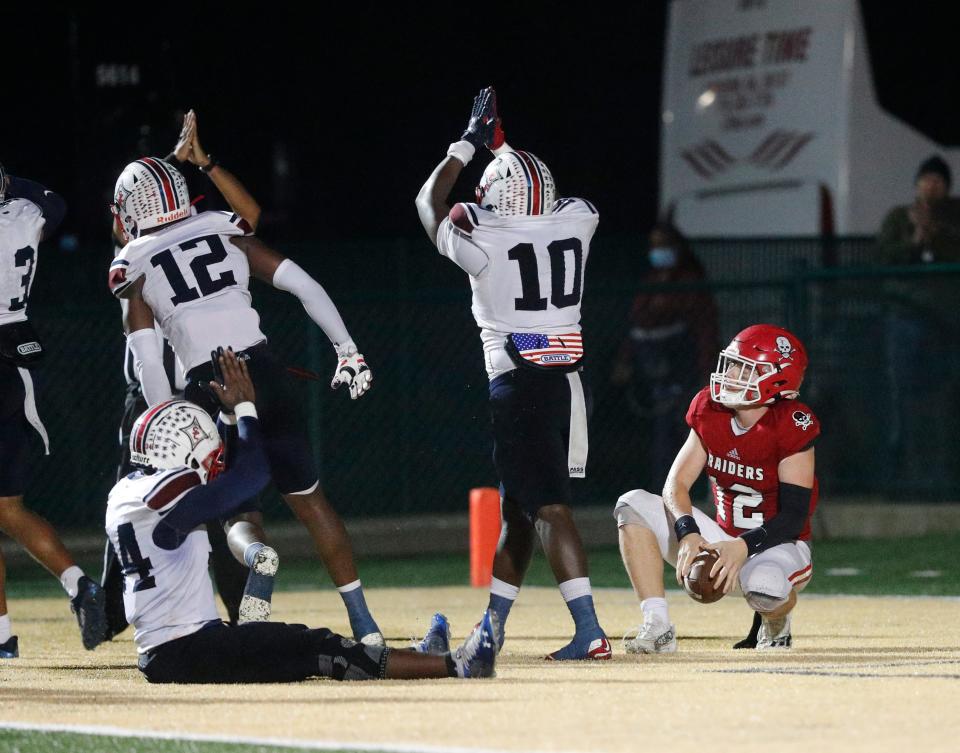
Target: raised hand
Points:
(483, 119)
(232, 384)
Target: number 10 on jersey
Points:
(526, 257)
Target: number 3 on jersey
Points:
(199, 266)
(526, 256)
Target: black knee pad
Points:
(344, 659)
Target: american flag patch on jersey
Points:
(550, 351)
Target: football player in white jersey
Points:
(231, 577)
(525, 251)
(152, 521)
(190, 272)
(29, 213)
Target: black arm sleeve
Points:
(786, 525)
(248, 474)
(51, 205)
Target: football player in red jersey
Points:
(755, 441)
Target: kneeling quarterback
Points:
(755, 441)
(154, 519)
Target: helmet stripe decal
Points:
(166, 195)
(156, 177)
(535, 178)
(167, 180)
(526, 173)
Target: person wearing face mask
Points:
(670, 346)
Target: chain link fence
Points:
(884, 375)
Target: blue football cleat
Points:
(10, 649)
(477, 657)
(437, 640)
(89, 605)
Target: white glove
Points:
(352, 370)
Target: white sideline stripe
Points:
(83, 729)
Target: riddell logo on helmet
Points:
(177, 215)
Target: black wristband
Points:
(684, 526)
(210, 165)
(755, 539)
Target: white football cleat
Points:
(774, 634)
(652, 637)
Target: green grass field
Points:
(906, 566)
(26, 741)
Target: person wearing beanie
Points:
(920, 327)
(928, 230)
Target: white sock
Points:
(4, 628)
(504, 590)
(575, 588)
(69, 580)
(655, 607)
(348, 587)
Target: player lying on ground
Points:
(525, 251)
(152, 520)
(755, 441)
(191, 274)
(29, 213)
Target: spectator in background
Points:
(671, 346)
(922, 335)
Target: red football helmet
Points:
(764, 363)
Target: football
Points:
(698, 584)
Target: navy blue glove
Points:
(483, 119)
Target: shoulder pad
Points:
(19, 210)
(232, 218)
(170, 487)
(463, 218)
(701, 401)
(573, 205)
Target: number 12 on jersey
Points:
(199, 265)
(526, 257)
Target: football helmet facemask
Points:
(762, 364)
(174, 434)
(517, 183)
(150, 193)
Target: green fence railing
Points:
(884, 375)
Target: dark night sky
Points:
(363, 106)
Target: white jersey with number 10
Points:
(527, 273)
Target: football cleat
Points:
(477, 657)
(373, 639)
(89, 605)
(255, 605)
(774, 634)
(266, 562)
(10, 649)
(652, 637)
(437, 640)
(598, 650)
(751, 640)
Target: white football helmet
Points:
(517, 183)
(174, 434)
(150, 193)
